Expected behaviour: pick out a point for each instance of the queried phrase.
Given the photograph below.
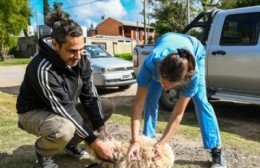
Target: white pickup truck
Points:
(231, 39)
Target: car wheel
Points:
(168, 99)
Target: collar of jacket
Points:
(47, 52)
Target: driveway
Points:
(11, 75)
(11, 78)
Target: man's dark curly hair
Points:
(178, 67)
(62, 27)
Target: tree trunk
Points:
(2, 58)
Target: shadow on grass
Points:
(24, 157)
(238, 118)
(201, 164)
(14, 90)
(237, 111)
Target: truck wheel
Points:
(168, 99)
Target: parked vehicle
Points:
(231, 39)
(109, 71)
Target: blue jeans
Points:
(205, 113)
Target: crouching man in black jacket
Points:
(47, 105)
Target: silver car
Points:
(109, 71)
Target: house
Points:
(113, 35)
(132, 30)
(113, 44)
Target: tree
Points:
(14, 16)
(58, 6)
(46, 8)
(242, 3)
(170, 15)
(227, 4)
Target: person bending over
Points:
(177, 60)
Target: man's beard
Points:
(73, 61)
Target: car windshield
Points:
(97, 52)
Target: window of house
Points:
(241, 29)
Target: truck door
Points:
(233, 53)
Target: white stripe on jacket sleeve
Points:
(42, 75)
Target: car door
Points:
(233, 54)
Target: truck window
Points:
(197, 32)
(240, 29)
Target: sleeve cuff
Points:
(91, 138)
(98, 124)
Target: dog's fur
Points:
(146, 144)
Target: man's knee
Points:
(65, 130)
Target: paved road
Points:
(11, 75)
(11, 78)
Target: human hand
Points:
(134, 151)
(157, 151)
(103, 149)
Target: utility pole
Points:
(148, 30)
(188, 12)
(137, 33)
(37, 25)
(145, 36)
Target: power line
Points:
(82, 4)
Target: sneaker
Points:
(76, 152)
(218, 158)
(45, 162)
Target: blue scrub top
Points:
(166, 44)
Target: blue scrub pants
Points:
(205, 113)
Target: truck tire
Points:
(168, 99)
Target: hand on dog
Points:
(134, 151)
(103, 149)
(157, 152)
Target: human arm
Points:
(174, 121)
(136, 121)
(89, 97)
(52, 93)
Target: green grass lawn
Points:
(17, 146)
(15, 61)
(125, 56)
(22, 61)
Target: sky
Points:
(87, 12)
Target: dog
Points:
(165, 160)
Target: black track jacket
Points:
(50, 84)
